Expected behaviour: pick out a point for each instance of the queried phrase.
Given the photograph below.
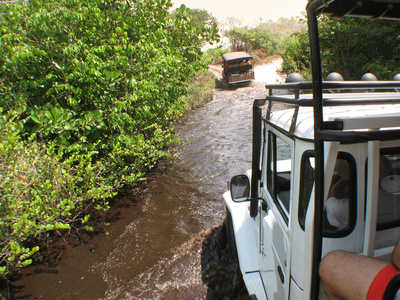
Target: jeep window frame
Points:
(305, 196)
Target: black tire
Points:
(238, 287)
(225, 84)
(230, 235)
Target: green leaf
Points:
(49, 227)
(36, 119)
(115, 74)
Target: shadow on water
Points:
(220, 268)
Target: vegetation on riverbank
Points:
(351, 46)
(201, 90)
(268, 36)
(89, 95)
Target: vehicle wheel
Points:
(230, 235)
(225, 84)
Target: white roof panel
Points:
(362, 117)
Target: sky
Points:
(247, 10)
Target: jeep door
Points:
(276, 192)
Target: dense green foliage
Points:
(296, 55)
(39, 193)
(248, 39)
(351, 46)
(198, 18)
(214, 55)
(89, 92)
(266, 35)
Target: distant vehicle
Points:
(238, 67)
(282, 218)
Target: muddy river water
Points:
(164, 241)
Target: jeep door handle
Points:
(280, 273)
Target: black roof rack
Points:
(327, 133)
(337, 99)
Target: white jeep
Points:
(325, 174)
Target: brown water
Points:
(164, 242)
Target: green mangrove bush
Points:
(39, 194)
(89, 93)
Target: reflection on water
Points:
(155, 245)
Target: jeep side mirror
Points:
(240, 188)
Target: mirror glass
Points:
(240, 188)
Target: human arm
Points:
(347, 275)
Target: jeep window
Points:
(307, 176)
(389, 190)
(279, 173)
(341, 203)
(340, 206)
